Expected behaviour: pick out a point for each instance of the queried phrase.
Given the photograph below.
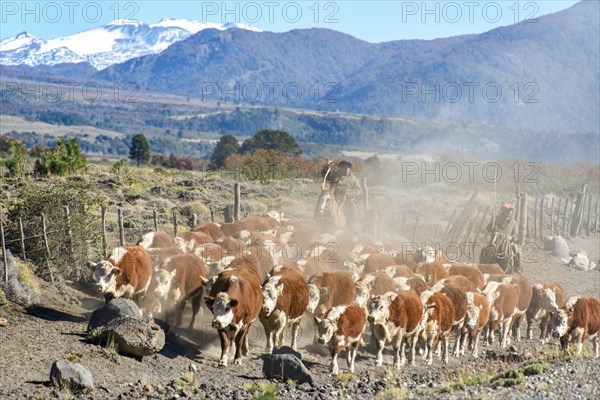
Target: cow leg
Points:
(476, 343)
(334, 361)
(516, 327)
(196, 306)
(530, 321)
(224, 347)
(281, 321)
(595, 343)
(445, 347)
(352, 354)
(463, 340)
(295, 327)
(399, 358)
(431, 343)
(544, 327)
(505, 329)
(240, 347)
(380, 343)
(457, 340)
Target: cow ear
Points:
(91, 264)
(317, 320)
(116, 271)
(234, 303)
(280, 288)
(323, 292)
(173, 273)
(429, 306)
(209, 300)
(203, 281)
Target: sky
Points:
(373, 21)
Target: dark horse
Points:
(499, 250)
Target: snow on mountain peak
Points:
(114, 43)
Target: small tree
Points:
(16, 163)
(270, 139)
(139, 152)
(226, 146)
(65, 158)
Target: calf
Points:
(235, 300)
(478, 315)
(503, 299)
(545, 298)
(342, 327)
(438, 317)
(471, 272)
(576, 321)
(396, 317)
(126, 273)
(285, 296)
(432, 272)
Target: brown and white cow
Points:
(458, 295)
(211, 229)
(577, 321)
(341, 328)
(469, 271)
(415, 283)
(396, 317)
(285, 296)
(377, 262)
(503, 299)
(492, 269)
(126, 273)
(523, 287)
(372, 285)
(177, 277)
(478, 315)
(398, 270)
(157, 240)
(432, 272)
(545, 298)
(438, 318)
(235, 300)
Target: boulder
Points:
(560, 248)
(286, 367)
(114, 309)
(70, 375)
(135, 336)
(287, 350)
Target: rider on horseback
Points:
(505, 224)
(345, 188)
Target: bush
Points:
(2, 298)
(65, 158)
(16, 289)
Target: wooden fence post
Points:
(589, 216)
(104, 242)
(541, 228)
(523, 219)
(597, 215)
(578, 212)
(565, 218)
(121, 228)
(47, 247)
(194, 220)
(4, 255)
(175, 224)
(518, 205)
(22, 237)
(212, 215)
(236, 201)
(365, 190)
(155, 219)
(449, 224)
(552, 218)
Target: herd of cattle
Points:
(277, 270)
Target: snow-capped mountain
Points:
(102, 47)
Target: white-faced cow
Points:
(285, 299)
(235, 300)
(545, 298)
(478, 315)
(577, 321)
(438, 317)
(342, 327)
(396, 317)
(126, 273)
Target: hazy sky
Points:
(373, 21)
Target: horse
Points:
(328, 213)
(499, 250)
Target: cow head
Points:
(161, 283)
(379, 308)
(473, 312)
(546, 298)
(222, 308)
(271, 291)
(559, 323)
(105, 277)
(326, 329)
(313, 298)
(363, 291)
(354, 269)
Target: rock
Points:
(581, 262)
(285, 367)
(73, 376)
(112, 310)
(560, 247)
(287, 350)
(135, 336)
(3, 322)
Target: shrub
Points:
(16, 289)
